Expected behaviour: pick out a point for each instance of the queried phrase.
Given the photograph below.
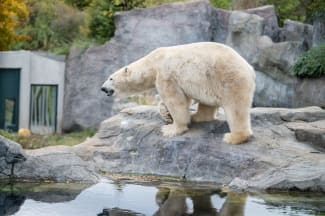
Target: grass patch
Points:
(38, 141)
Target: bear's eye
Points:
(111, 79)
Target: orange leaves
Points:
(13, 13)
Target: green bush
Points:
(311, 63)
(101, 25)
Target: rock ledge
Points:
(285, 153)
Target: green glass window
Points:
(43, 109)
(9, 112)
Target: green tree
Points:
(13, 13)
(52, 24)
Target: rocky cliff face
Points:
(254, 33)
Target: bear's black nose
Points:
(110, 92)
(104, 89)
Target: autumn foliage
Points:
(13, 13)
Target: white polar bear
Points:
(210, 73)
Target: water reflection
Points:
(130, 199)
(172, 202)
(10, 203)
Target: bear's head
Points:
(134, 78)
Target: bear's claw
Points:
(164, 112)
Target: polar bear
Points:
(210, 73)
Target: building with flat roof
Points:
(31, 91)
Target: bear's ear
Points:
(126, 70)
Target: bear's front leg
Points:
(177, 104)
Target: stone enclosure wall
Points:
(254, 33)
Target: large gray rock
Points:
(11, 154)
(252, 33)
(131, 142)
(270, 21)
(273, 62)
(288, 91)
(244, 31)
(277, 157)
(277, 59)
(57, 163)
(297, 31)
(313, 133)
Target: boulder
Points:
(288, 91)
(272, 92)
(273, 62)
(276, 59)
(11, 154)
(313, 133)
(270, 21)
(244, 31)
(131, 142)
(297, 31)
(56, 163)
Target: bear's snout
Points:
(109, 92)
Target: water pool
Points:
(123, 198)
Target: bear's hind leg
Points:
(178, 105)
(204, 113)
(238, 119)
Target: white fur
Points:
(211, 73)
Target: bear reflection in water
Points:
(172, 202)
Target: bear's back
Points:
(204, 69)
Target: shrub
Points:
(102, 16)
(311, 63)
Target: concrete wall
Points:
(35, 69)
